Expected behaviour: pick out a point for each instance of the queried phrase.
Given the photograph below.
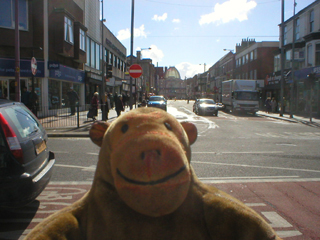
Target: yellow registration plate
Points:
(40, 147)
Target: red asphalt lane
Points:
(292, 208)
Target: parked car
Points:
(26, 163)
(157, 102)
(204, 106)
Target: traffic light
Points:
(109, 71)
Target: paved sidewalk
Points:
(84, 130)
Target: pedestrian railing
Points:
(62, 117)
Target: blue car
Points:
(158, 102)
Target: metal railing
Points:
(61, 117)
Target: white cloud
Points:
(188, 69)
(229, 11)
(126, 33)
(160, 18)
(154, 53)
(176, 20)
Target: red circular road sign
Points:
(33, 66)
(135, 70)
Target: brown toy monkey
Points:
(145, 188)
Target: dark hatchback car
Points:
(25, 162)
(157, 102)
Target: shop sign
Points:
(53, 65)
(7, 68)
(68, 74)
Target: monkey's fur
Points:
(145, 188)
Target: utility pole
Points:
(131, 51)
(17, 53)
(292, 67)
(282, 57)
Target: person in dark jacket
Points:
(73, 98)
(119, 105)
(95, 104)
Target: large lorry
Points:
(240, 95)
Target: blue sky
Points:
(190, 34)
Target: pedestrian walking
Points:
(73, 98)
(267, 104)
(94, 106)
(273, 105)
(119, 105)
(108, 105)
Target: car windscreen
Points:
(21, 120)
(207, 101)
(156, 99)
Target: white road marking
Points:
(256, 166)
(255, 204)
(260, 152)
(276, 221)
(91, 168)
(286, 234)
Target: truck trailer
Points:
(240, 95)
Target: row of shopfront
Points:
(300, 91)
(52, 88)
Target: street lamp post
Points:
(131, 50)
(103, 84)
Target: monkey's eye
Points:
(168, 126)
(124, 128)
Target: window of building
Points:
(288, 59)
(243, 59)
(68, 30)
(318, 54)
(255, 53)
(311, 21)
(97, 61)
(297, 30)
(114, 60)
(309, 57)
(111, 58)
(82, 40)
(247, 58)
(255, 74)
(285, 35)
(277, 64)
(251, 56)
(7, 14)
(92, 54)
(88, 51)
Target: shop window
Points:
(54, 94)
(68, 30)
(7, 14)
(3, 89)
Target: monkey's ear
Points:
(191, 131)
(97, 132)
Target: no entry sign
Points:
(33, 66)
(135, 70)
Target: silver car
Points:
(206, 106)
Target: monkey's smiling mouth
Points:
(162, 180)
